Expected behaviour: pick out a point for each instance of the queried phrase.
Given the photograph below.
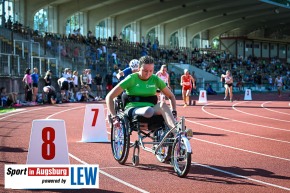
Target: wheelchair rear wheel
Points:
(120, 141)
(181, 157)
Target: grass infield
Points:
(6, 110)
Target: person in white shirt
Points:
(270, 79)
(75, 81)
(84, 77)
(115, 80)
(163, 75)
(89, 80)
(228, 79)
(279, 84)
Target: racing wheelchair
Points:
(168, 145)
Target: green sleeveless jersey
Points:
(133, 85)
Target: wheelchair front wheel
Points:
(181, 157)
(120, 142)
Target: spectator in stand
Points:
(85, 94)
(172, 77)
(98, 80)
(259, 81)
(279, 84)
(186, 81)
(209, 90)
(240, 83)
(109, 83)
(47, 78)
(76, 53)
(35, 80)
(82, 94)
(228, 79)
(194, 90)
(270, 82)
(114, 56)
(51, 94)
(28, 85)
(115, 80)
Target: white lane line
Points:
(102, 172)
(23, 112)
(275, 128)
(248, 151)
(229, 173)
(63, 111)
(240, 133)
(110, 176)
(262, 105)
(240, 176)
(257, 115)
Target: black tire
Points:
(120, 142)
(181, 158)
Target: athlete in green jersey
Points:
(144, 84)
(134, 86)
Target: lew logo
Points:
(84, 175)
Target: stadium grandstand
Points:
(250, 37)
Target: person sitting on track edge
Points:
(51, 94)
(143, 85)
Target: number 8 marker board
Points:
(48, 142)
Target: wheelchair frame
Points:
(169, 145)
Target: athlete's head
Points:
(186, 71)
(134, 65)
(146, 67)
(163, 68)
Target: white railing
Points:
(6, 69)
(28, 44)
(41, 59)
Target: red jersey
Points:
(186, 82)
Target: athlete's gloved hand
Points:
(116, 121)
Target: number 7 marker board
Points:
(48, 142)
(94, 129)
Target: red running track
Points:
(237, 147)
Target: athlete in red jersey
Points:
(186, 83)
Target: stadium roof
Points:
(238, 18)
